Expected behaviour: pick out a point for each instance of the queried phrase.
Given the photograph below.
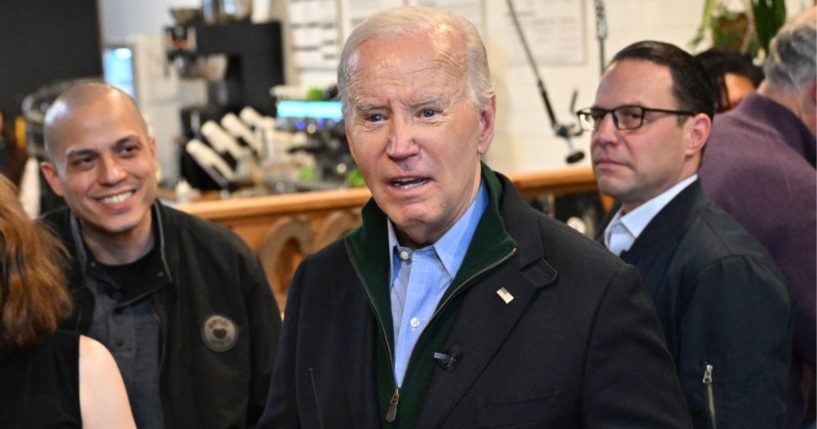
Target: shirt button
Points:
(404, 255)
(415, 322)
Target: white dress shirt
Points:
(624, 229)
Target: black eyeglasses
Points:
(624, 117)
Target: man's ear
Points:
(487, 126)
(697, 133)
(154, 151)
(52, 177)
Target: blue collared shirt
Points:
(420, 277)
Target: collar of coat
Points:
(368, 249)
(671, 222)
(63, 223)
(160, 243)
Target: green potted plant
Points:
(746, 32)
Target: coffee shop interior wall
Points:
(523, 139)
(42, 41)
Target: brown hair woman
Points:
(47, 378)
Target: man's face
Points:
(104, 165)
(636, 165)
(416, 133)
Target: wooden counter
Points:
(282, 229)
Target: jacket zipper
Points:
(315, 394)
(163, 368)
(710, 394)
(391, 412)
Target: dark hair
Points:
(718, 63)
(691, 87)
(33, 297)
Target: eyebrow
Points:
(365, 107)
(77, 153)
(71, 153)
(130, 138)
(431, 99)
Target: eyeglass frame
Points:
(644, 110)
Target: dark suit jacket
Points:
(722, 302)
(578, 346)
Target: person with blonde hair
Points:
(48, 378)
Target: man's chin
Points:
(112, 227)
(609, 186)
(116, 228)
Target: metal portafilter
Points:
(238, 129)
(210, 161)
(221, 140)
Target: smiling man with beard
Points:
(456, 304)
(182, 304)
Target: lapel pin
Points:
(505, 295)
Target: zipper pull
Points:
(708, 374)
(391, 413)
(710, 395)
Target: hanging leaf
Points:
(706, 23)
(770, 15)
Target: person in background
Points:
(48, 378)
(183, 304)
(723, 304)
(456, 304)
(759, 165)
(734, 76)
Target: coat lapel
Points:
(670, 222)
(485, 319)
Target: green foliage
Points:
(355, 179)
(728, 30)
(770, 15)
(706, 23)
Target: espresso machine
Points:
(240, 62)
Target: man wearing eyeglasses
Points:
(723, 304)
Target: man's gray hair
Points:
(409, 20)
(791, 60)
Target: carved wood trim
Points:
(301, 224)
(285, 245)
